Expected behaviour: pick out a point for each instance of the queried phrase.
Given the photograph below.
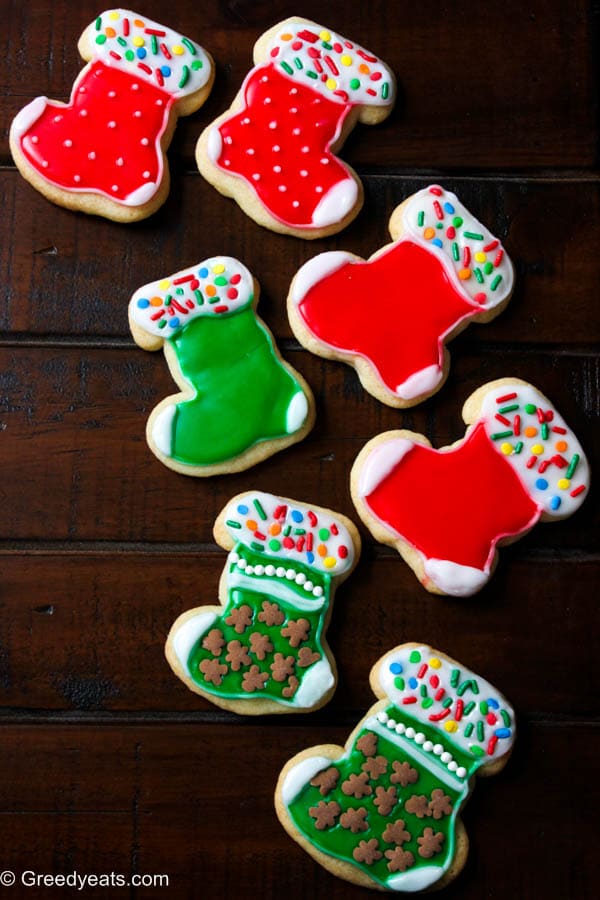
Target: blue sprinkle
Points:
(297, 515)
(396, 668)
(503, 732)
(437, 242)
(448, 207)
(242, 509)
(310, 556)
(493, 703)
(555, 502)
(143, 303)
(174, 323)
(541, 484)
(203, 273)
(412, 682)
(166, 71)
(141, 53)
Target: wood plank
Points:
(64, 273)
(201, 810)
(471, 92)
(85, 631)
(76, 464)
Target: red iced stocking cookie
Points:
(274, 150)
(391, 316)
(446, 511)
(104, 151)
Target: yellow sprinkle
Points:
(325, 36)
(114, 15)
(329, 562)
(537, 449)
(331, 83)
(286, 36)
(480, 257)
(346, 60)
(138, 41)
(165, 284)
(450, 725)
(563, 483)
(506, 448)
(178, 50)
(464, 274)
(219, 268)
(435, 663)
(428, 233)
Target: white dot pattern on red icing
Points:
(467, 710)
(537, 442)
(475, 259)
(290, 531)
(215, 287)
(340, 69)
(150, 51)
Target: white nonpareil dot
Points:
(264, 79)
(259, 570)
(382, 717)
(304, 173)
(273, 125)
(82, 90)
(266, 101)
(293, 110)
(305, 149)
(91, 155)
(120, 161)
(112, 94)
(295, 204)
(112, 124)
(227, 162)
(45, 163)
(159, 102)
(391, 724)
(138, 114)
(228, 140)
(57, 119)
(67, 143)
(275, 148)
(318, 189)
(34, 139)
(83, 113)
(318, 591)
(250, 151)
(246, 121)
(256, 177)
(249, 570)
(308, 586)
(277, 168)
(282, 188)
(296, 131)
(324, 161)
(135, 87)
(76, 178)
(269, 570)
(410, 732)
(144, 142)
(146, 174)
(115, 188)
(290, 575)
(293, 91)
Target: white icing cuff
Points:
(382, 460)
(423, 382)
(336, 204)
(296, 413)
(214, 287)
(300, 775)
(26, 117)
(475, 260)
(187, 635)
(304, 51)
(150, 51)
(315, 270)
(536, 441)
(315, 684)
(454, 579)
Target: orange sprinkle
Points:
(561, 446)
(322, 550)
(428, 233)
(110, 32)
(287, 36)
(364, 69)
(275, 528)
(530, 431)
(211, 290)
(464, 274)
(156, 301)
(251, 524)
(138, 23)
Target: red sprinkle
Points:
(437, 717)
(543, 466)
(159, 77)
(155, 32)
(459, 710)
(309, 541)
(297, 45)
(505, 397)
(440, 694)
(319, 67)
(479, 298)
(371, 92)
(260, 536)
(338, 48)
(435, 190)
(549, 415)
(235, 279)
(312, 518)
(157, 315)
(434, 681)
(280, 512)
(422, 670)
(125, 27)
(275, 52)
(342, 552)
(559, 461)
(531, 462)
(178, 306)
(451, 232)
(300, 543)
(232, 293)
(578, 490)
(183, 279)
(194, 285)
(541, 415)
(221, 309)
(517, 425)
(492, 745)
(466, 256)
(189, 304)
(408, 700)
(331, 65)
(376, 76)
(366, 56)
(288, 543)
(342, 95)
(499, 256)
(308, 36)
(491, 719)
(334, 529)
(115, 55)
(145, 68)
(502, 419)
(558, 430)
(488, 247)
(313, 52)
(438, 209)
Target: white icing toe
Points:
(300, 775)
(423, 382)
(214, 144)
(296, 413)
(24, 119)
(336, 204)
(188, 634)
(454, 579)
(316, 682)
(315, 270)
(162, 430)
(380, 462)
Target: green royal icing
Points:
(242, 391)
(231, 685)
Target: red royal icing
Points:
(456, 504)
(108, 136)
(283, 135)
(393, 310)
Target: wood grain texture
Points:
(108, 762)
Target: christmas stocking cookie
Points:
(383, 811)
(274, 150)
(240, 401)
(391, 316)
(104, 151)
(447, 511)
(264, 650)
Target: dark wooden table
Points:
(107, 762)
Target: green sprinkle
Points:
(355, 84)
(488, 268)
(460, 690)
(258, 507)
(427, 703)
(185, 74)
(469, 730)
(232, 523)
(518, 447)
(162, 323)
(287, 68)
(299, 530)
(287, 530)
(457, 221)
(495, 282)
(455, 252)
(544, 431)
(274, 544)
(572, 466)
(421, 218)
(506, 409)
(197, 64)
(477, 751)
(447, 702)
(190, 46)
(468, 710)
(154, 44)
(221, 281)
(122, 41)
(530, 408)
(474, 686)
(473, 235)
(399, 683)
(199, 298)
(439, 225)
(501, 434)
(414, 657)
(180, 292)
(298, 62)
(98, 23)
(327, 46)
(505, 717)
(168, 299)
(213, 299)
(311, 74)
(483, 708)
(454, 677)
(324, 534)
(385, 90)
(129, 55)
(101, 39)
(423, 690)
(479, 275)
(256, 546)
(480, 731)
